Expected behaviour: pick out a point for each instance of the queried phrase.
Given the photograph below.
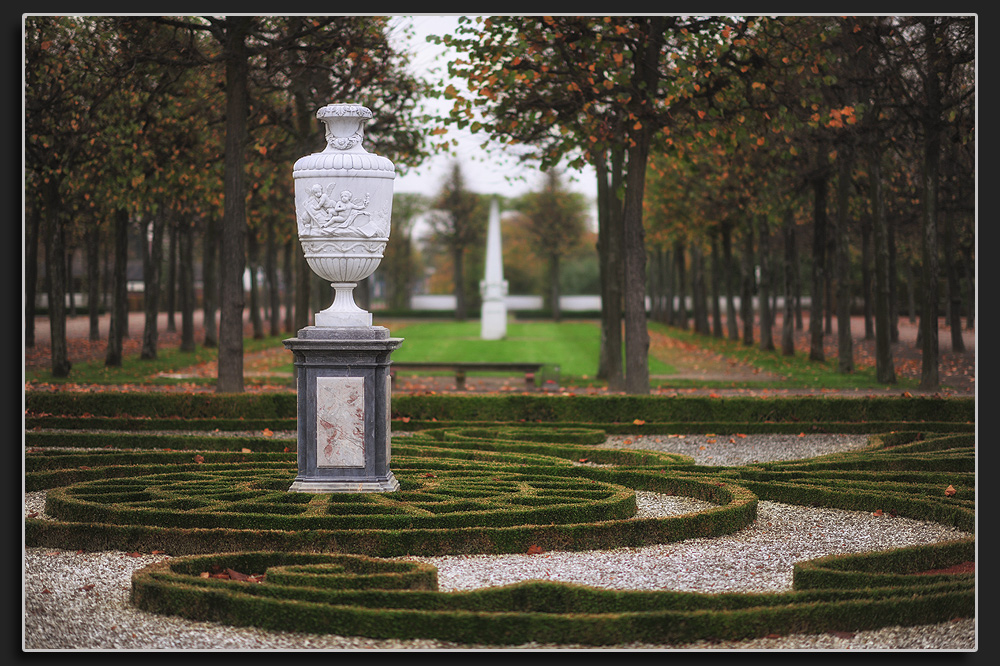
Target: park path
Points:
(957, 369)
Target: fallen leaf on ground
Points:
(950, 491)
(534, 550)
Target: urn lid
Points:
(344, 144)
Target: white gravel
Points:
(79, 601)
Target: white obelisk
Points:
(493, 287)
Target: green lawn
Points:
(573, 346)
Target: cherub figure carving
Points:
(325, 213)
(346, 209)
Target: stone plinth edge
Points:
(388, 485)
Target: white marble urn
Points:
(343, 205)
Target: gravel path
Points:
(80, 600)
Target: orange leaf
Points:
(245, 450)
(534, 550)
(950, 491)
(199, 458)
(405, 419)
(878, 512)
(268, 432)
(639, 422)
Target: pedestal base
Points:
(389, 485)
(344, 392)
(493, 322)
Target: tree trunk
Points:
(797, 282)
(716, 276)
(818, 270)
(610, 266)
(788, 274)
(209, 281)
(911, 292)
(70, 282)
(303, 289)
(288, 270)
(893, 278)
(954, 288)
(766, 318)
(885, 372)
(698, 291)
(232, 254)
(253, 252)
(31, 234)
(93, 243)
(669, 288)
(152, 258)
(727, 267)
(845, 343)
(746, 302)
(185, 251)
(119, 299)
(55, 262)
(929, 378)
(680, 274)
(828, 285)
(970, 271)
(656, 284)
(636, 327)
(866, 277)
(271, 272)
(171, 286)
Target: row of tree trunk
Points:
(689, 290)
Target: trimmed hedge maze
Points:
(493, 489)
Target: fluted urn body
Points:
(343, 206)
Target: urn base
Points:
(343, 312)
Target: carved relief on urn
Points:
(343, 205)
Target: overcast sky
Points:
(492, 171)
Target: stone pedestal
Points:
(344, 392)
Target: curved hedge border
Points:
(454, 498)
(538, 610)
(904, 473)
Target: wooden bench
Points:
(529, 370)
